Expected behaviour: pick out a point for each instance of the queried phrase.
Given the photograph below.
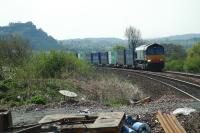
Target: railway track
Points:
(186, 87)
(184, 74)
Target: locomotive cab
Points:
(150, 57)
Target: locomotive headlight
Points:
(148, 60)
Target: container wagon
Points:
(112, 58)
(104, 58)
(129, 58)
(96, 58)
(121, 58)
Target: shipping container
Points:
(112, 57)
(96, 58)
(129, 57)
(88, 57)
(121, 58)
(81, 56)
(104, 58)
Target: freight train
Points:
(146, 57)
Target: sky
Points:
(66, 19)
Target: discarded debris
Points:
(100, 123)
(143, 101)
(108, 122)
(169, 123)
(68, 93)
(183, 111)
(133, 126)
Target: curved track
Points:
(187, 88)
(184, 74)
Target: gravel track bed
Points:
(193, 90)
(150, 87)
(22, 116)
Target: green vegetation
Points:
(38, 100)
(14, 50)
(192, 63)
(116, 103)
(175, 55)
(36, 78)
(178, 60)
(15, 92)
(54, 64)
(118, 48)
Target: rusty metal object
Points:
(169, 123)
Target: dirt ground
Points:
(191, 123)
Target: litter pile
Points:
(106, 122)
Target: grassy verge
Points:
(109, 89)
(40, 91)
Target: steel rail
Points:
(184, 74)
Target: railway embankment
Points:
(107, 85)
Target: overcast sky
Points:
(64, 19)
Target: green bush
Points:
(38, 100)
(174, 65)
(192, 63)
(53, 65)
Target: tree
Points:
(118, 48)
(13, 50)
(192, 63)
(174, 52)
(134, 37)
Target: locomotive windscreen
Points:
(159, 50)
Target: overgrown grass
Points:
(40, 91)
(110, 89)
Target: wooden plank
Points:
(110, 122)
(60, 117)
(163, 122)
(177, 130)
(178, 124)
(169, 123)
